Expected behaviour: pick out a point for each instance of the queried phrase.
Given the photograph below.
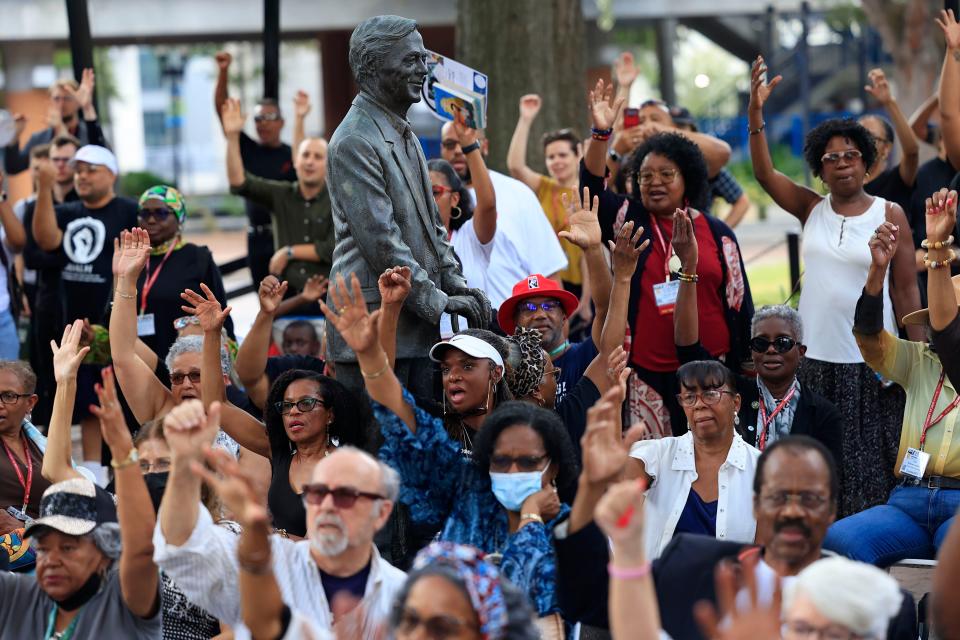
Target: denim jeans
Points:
(9, 338)
(912, 524)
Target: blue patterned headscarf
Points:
(480, 578)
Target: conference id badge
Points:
(665, 294)
(145, 325)
(914, 463)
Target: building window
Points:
(155, 128)
(151, 75)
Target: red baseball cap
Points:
(534, 286)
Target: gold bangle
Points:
(124, 295)
(688, 277)
(938, 244)
(531, 516)
(377, 374)
(132, 458)
(936, 264)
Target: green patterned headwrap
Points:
(169, 196)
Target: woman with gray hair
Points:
(95, 573)
(840, 599)
(773, 404)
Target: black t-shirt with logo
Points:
(272, 163)
(88, 236)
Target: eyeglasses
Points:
(806, 499)
(555, 373)
(343, 497)
(800, 629)
(546, 305)
(12, 397)
(159, 215)
(183, 322)
(781, 344)
(709, 397)
(439, 190)
(303, 405)
(502, 464)
(847, 156)
(450, 145)
(667, 176)
(159, 466)
(177, 377)
(266, 117)
(436, 627)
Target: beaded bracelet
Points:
(688, 277)
(939, 244)
(754, 132)
(601, 134)
(936, 264)
(632, 573)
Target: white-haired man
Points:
(349, 499)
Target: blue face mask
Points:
(511, 489)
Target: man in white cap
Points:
(85, 231)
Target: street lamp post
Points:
(173, 64)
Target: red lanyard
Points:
(930, 421)
(13, 462)
(664, 246)
(765, 420)
(150, 280)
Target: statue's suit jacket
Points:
(384, 216)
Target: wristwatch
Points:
(470, 148)
(289, 251)
(614, 155)
(132, 458)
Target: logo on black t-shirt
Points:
(83, 239)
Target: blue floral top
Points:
(442, 486)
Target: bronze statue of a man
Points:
(384, 214)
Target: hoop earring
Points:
(459, 213)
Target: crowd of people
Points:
(626, 447)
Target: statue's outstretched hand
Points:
(471, 304)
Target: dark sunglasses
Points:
(160, 214)
(781, 344)
(546, 305)
(343, 497)
(524, 463)
(177, 377)
(303, 405)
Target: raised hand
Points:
(232, 117)
(545, 503)
(465, 134)
(760, 90)
(732, 622)
(46, 175)
(235, 488)
(134, 251)
(223, 60)
(68, 356)
(619, 514)
(625, 69)
(883, 242)
(271, 293)
(206, 308)
(19, 124)
(301, 104)
(879, 88)
(684, 241)
(583, 222)
(358, 327)
(605, 449)
(530, 106)
(616, 365)
(624, 250)
(394, 285)
(951, 29)
(604, 109)
(188, 429)
(941, 215)
(113, 426)
(84, 93)
(55, 119)
(315, 287)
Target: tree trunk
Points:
(913, 39)
(526, 46)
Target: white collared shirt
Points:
(206, 570)
(671, 464)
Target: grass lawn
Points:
(770, 283)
